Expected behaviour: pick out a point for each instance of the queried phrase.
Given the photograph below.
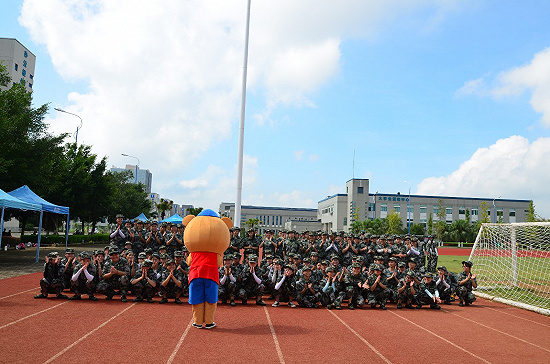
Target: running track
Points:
(44, 331)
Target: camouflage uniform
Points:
(407, 296)
(377, 295)
(52, 282)
(107, 286)
(248, 285)
(228, 285)
(354, 289)
(446, 287)
(304, 296)
(171, 289)
(430, 248)
(426, 292)
(143, 287)
(464, 291)
(81, 282)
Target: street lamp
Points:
(494, 210)
(78, 128)
(409, 218)
(137, 165)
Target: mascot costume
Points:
(206, 237)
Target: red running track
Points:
(52, 330)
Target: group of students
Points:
(313, 269)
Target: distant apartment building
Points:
(337, 212)
(143, 175)
(19, 62)
(274, 218)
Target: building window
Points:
(500, 212)
(474, 212)
(31, 76)
(30, 85)
(449, 210)
(345, 221)
(24, 72)
(397, 208)
(436, 210)
(16, 66)
(360, 190)
(423, 209)
(462, 210)
(25, 63)
(512, 212)
(383, 207)
(371, 207)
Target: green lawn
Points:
(452, 262)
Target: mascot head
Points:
(207, 232)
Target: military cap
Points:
(113, 251)
(373, 266)
(180, 225)
(147, 263)
(148, 251)
(324, 262)
(288, 266)
(413, 260)
(97, 252)
(314, 254)
(329, 269)
(163, 224)
(428, 275)
(69, 251)
(307, 260)
(401, 264)
(442, 267)
(148, 221)
(253, 258)
(277, 261)
(379, 257)
(184, 249)
(170, 261)
(154, 223)
(410, 273)
(120, 216)
(156, 255)
(178, 253)
(142, 255)
(164, 256)
(237, 255)
(467, 263)
(228, 257)
(128, 242)
(307, 267)
(162, 247)
(269, 231)
(393, 259)
(407, 237)
(414, 238)
(84, 255)
(297, 256)
(269, 256)
(140, 222)
(53, 254)
(359, 259)
(378, 267)
(356, 265)
(334, 256)
(236, 228)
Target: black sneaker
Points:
(232, 303)
(197, 326)
(178, 301)
(291, 304)
(316, 305)
(163, 300)
(62, 296)
(435, 307)
(373, 305)
(399, 306)
(461, 304)
(210, 326)
(150, 300)
(408, 305)
(108, 298)
(38, 296)
(275, 304)
(260, 303)
(244, 302)
(92, 298)
(383, 307)
(419, 306)
(351, 307)
(224, 302)
(447, 302)
(74, 298)
(123, 298)
(338, 307)
(137, 299)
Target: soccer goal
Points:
(512, 263)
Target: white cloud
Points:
(533, 77)
(299, 155)
(512, 168)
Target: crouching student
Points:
(145, 282)
(84, 278)
(171, 283)
(307, 289)
(466, 283)
(427, 292)
(406, 291)
(377, 291)
(285, 289)
(52, 282)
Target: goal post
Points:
(512, 264)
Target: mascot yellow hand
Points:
(206, 237)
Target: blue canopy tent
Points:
(141, 217)
(24, 193)
(174, 219)
(10, 202)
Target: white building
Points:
(143, 175)
(337, 212)
(19, 62)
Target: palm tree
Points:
(163, 206)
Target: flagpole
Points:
(237, 221)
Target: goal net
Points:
(512, 264)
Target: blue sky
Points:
(453, 96)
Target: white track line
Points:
(507, 313)
(177, 348)
(34, 314)
(362, 338)
(502, 332)
(442, 338)
(277, 346)
(15, 294)
(88, 334)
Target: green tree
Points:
(418, 229)
(128, 198)
(430, 224)
(460, 231)
(531, 213)
(251, 223)
(163, 206)
(395, 224)
(194, 210)
(483, 212)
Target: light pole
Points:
(137, 165)
(409, 218)
(494, 210)
(78, 128)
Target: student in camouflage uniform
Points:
(466, 283)
(154, 239)
(392, 277)
(432, 254)
(427, 292)
(354, 287)
(84, 278)
(145, 283)
(118, 237)
(228, 281)
(139, 238)
(171, 241)
(375, 285)
(307, 290)
(291, 246)
(249, 284)
(251, 244)
(285, 289)
(407, 289)
(52, 282)
(446, 284)
(329, 288)
(181, 266)
(68, 263)
(235, 242)
(275, 275)
(171, 283)
(115, 276)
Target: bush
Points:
(60, 239)
(11, 240)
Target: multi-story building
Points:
(143, 175)
(19, 62)
(339, 211)
(274, 218)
